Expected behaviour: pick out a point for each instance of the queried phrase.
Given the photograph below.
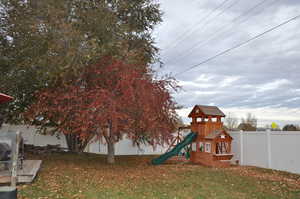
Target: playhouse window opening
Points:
(193, 146)
(201, 146)
(222, 148)
(207, 147)
(214, 119)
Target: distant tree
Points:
(290, 127)
(246, 127)
(231, 122)
(261, 129)
(249, 123)
(250, 119)
(275, 127)
(269, 127)
(110, 100)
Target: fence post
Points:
(269, 149)
(242, 148)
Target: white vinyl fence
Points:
(124, 147)
(31, 137)
(278, 150)
(275, 150)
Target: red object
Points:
(5, 98)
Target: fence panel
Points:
(255, 149)
(236, 147)
(274, 150)
(285, 148)
(124, 147)
(31, 137)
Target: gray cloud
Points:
(264, 73)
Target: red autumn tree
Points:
(110, 99)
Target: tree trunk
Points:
(110, 146)
(110, 152)
(74, 144)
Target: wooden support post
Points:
(14, 175)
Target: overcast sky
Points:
(262, 77)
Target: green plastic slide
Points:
(175, 151)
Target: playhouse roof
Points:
(199, 110)
(5, 98)
(217, 133)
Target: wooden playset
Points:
(210, 143)
(212, 146)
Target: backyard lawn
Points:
(88, 176)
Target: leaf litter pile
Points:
(88, 176)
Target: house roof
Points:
(216, 133)
(207, 111)
(5, 98)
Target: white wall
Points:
(275, 150)
(123, 147)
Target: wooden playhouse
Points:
(212, 146)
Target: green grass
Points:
(88, 176)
